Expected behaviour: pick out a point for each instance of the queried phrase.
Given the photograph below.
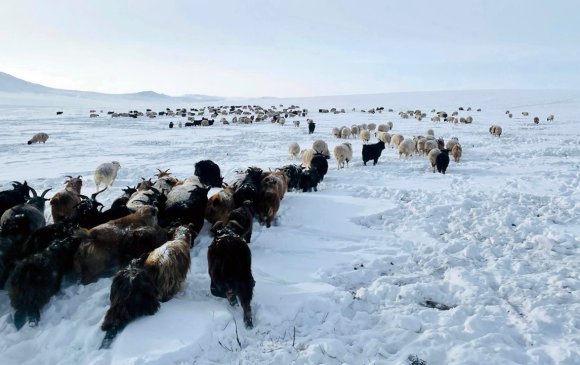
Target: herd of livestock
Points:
(144, 238)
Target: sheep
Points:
(38, 277)
(397, 139)
(343, 153)
(294, 150)
(209, 173)
(106, 173)
(168, 264)
(525, 114)
(38, 137)
(550, 118)
(240, 221)
(230, 269)
(495, 130)
(133, 295)
(382, 128)
(354, 130)
(220, 205)
(469, 120)
(456, 152)
(430, 132)
(365, 136)
(16, 196)
(510, 115)
(430, 145)
(406, 147)
(345, 133)
(390, 124)
(320, 147)
(296, 123)
(442, 161)
(336, 132)
(432, 156)
(435, 118)
(62, 204)
(272, 189)
(116, 242)
(385, 137)
(372, 152)
(452, 142)
(372, 127)
(420, 146)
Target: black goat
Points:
(442, 161)
(133, 295)
(294, 172)
(38, 277)
(209, 173)
(10, 198)
(248, 187)
(230, 269)
(319, 164)
(372, 152)
(311, 127)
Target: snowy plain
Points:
(345, 275)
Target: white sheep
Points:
(384, 137)
(306, 156)
(336, 132)
(319, 146)
(38, 137)
(435, 119)
(345, 133)
(354, 130)
(421, 146)
(106, 173)
(365, 136)
(430, 144)
(397, 139)
(452, 142)
(430, 132)
(294, 150)
(372, 126)
(343, 153)
(432, 156)
(550, 118)
(383, 128)
(390, 124)
(406, 147)
(296, 123)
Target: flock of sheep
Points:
(144, 238)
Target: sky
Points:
(256, 48)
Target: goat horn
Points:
(33, 192)
(84, 197)
(44, 192)
(157, 192)
(94, 196)
(70, 177)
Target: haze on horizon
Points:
(298, 48)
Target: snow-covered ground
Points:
(345, 275)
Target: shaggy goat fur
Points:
(230, 268)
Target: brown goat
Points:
(118, 241)
(220, 205)
(272, 189)
(62, 204)
(168, 264)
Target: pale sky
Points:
(291, 48)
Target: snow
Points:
(344, 275)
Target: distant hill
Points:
(13, 85)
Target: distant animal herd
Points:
(144, 238)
